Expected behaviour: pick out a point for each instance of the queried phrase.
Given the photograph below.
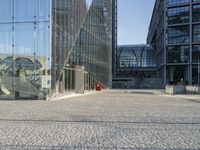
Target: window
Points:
(178, 54)
(175, 2)
(6, 50)
(178, 15)
(196, 0)
(178, 34)
(196, 13)
(196, 33)
(195, 53)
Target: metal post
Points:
(198, 74)
(188, 72)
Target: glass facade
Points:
(196, 53)
(177, 2)
(42, 42)
(176, 24)
(196, 13)
(136, 67)
(68, 16)
(178, 54)
(178, 34)
(24, 48)
(93, 47)
(178, 15)
(130, 56)
(134, 60)
(196, 33)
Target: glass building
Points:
(134, 62)
(175, 34)
(136, 56)
(43, 42)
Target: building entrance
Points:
(177, 74)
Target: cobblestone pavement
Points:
(107, 120)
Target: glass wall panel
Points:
(178, 54)
(177, 74)
(24, 10)
(24, 60)
(25, 55)
(175, 2)
(196, 74)
(196, 13)
(43, 57)
(178, 34)
(196, 33)
(43, 10)
(68, 16)
(195, 53)
(6, 60)
(93, 47)
(178, 15)
(24, 39)
(136, 56)
(6, 11)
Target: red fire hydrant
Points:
(98, 87)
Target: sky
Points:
(133, 20)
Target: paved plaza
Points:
(116, 119)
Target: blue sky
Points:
(133, 20)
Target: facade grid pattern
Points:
(178, 49)
(43, 42)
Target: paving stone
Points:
(116, 119)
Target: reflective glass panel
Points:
(24, 39)
(6, 49)
(196, 53)
(175, 2)
(196, 13)
(43, 56)
(178, 54)
(178, 34)
(24, 10)
(6, 39)
(43, 10)
(24, 60)
(178, 15)
(196, 33)
(6, 60)
(6, 10)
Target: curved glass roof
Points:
(135, 56)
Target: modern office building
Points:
(175, 34)
(49, 47)
(136, 67)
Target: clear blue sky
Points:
(133, 20)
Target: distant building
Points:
(43, 42)
(136, 67)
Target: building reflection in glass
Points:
(39, 38)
